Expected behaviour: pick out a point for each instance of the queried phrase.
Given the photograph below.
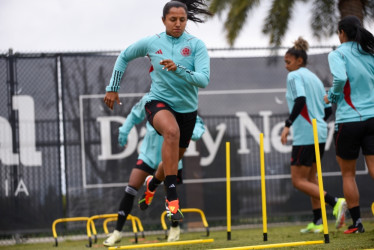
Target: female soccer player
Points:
(148, 161)
(304, 96)
(181, 65)
(352, 67)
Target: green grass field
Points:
(239, 238)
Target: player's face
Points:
(292, 63)
(175, 21)
(342, 36)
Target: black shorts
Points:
(351, 136)
(186, 121)
(140, 164)
(305, 155)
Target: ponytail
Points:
(192, 8)
(366, 40)
(352, 27)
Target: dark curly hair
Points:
(299, 49)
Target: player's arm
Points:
(295, 86)
(328, 113)
(138, 49)
(296, 110)
(200, 77)
(136, 116)
(199, 129)
(338, 71)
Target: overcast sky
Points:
(92, 25)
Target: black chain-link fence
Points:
(59, 140)
(31, 196)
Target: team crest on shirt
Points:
(186, 51)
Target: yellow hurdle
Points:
(104, 216)
(105, 224)
(228, 191)
(263, 188)
(290, 244)
(67, 220)
(320, 182)
(162, 244)
(186, 210)
(129, 217)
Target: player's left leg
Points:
(174, 231)
(136, 179)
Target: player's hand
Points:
(169, 65)
(110, 98)
(122, 137)
(326, 99)
(285, 132)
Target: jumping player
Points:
(181, 65)
(148, 161)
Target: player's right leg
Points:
(176, 129)
(165, 123)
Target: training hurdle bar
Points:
(55, 222)
(129, 217)
(103, 216)
(163, 244)
(186, 210)
(278, 245)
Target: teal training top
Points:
(150, 150)
(178, 88)
(353, 83)
(303, 82)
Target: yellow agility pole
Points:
(320, 182)
(290, 244)
(263, 188)
(162, 244)
(228, 191)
